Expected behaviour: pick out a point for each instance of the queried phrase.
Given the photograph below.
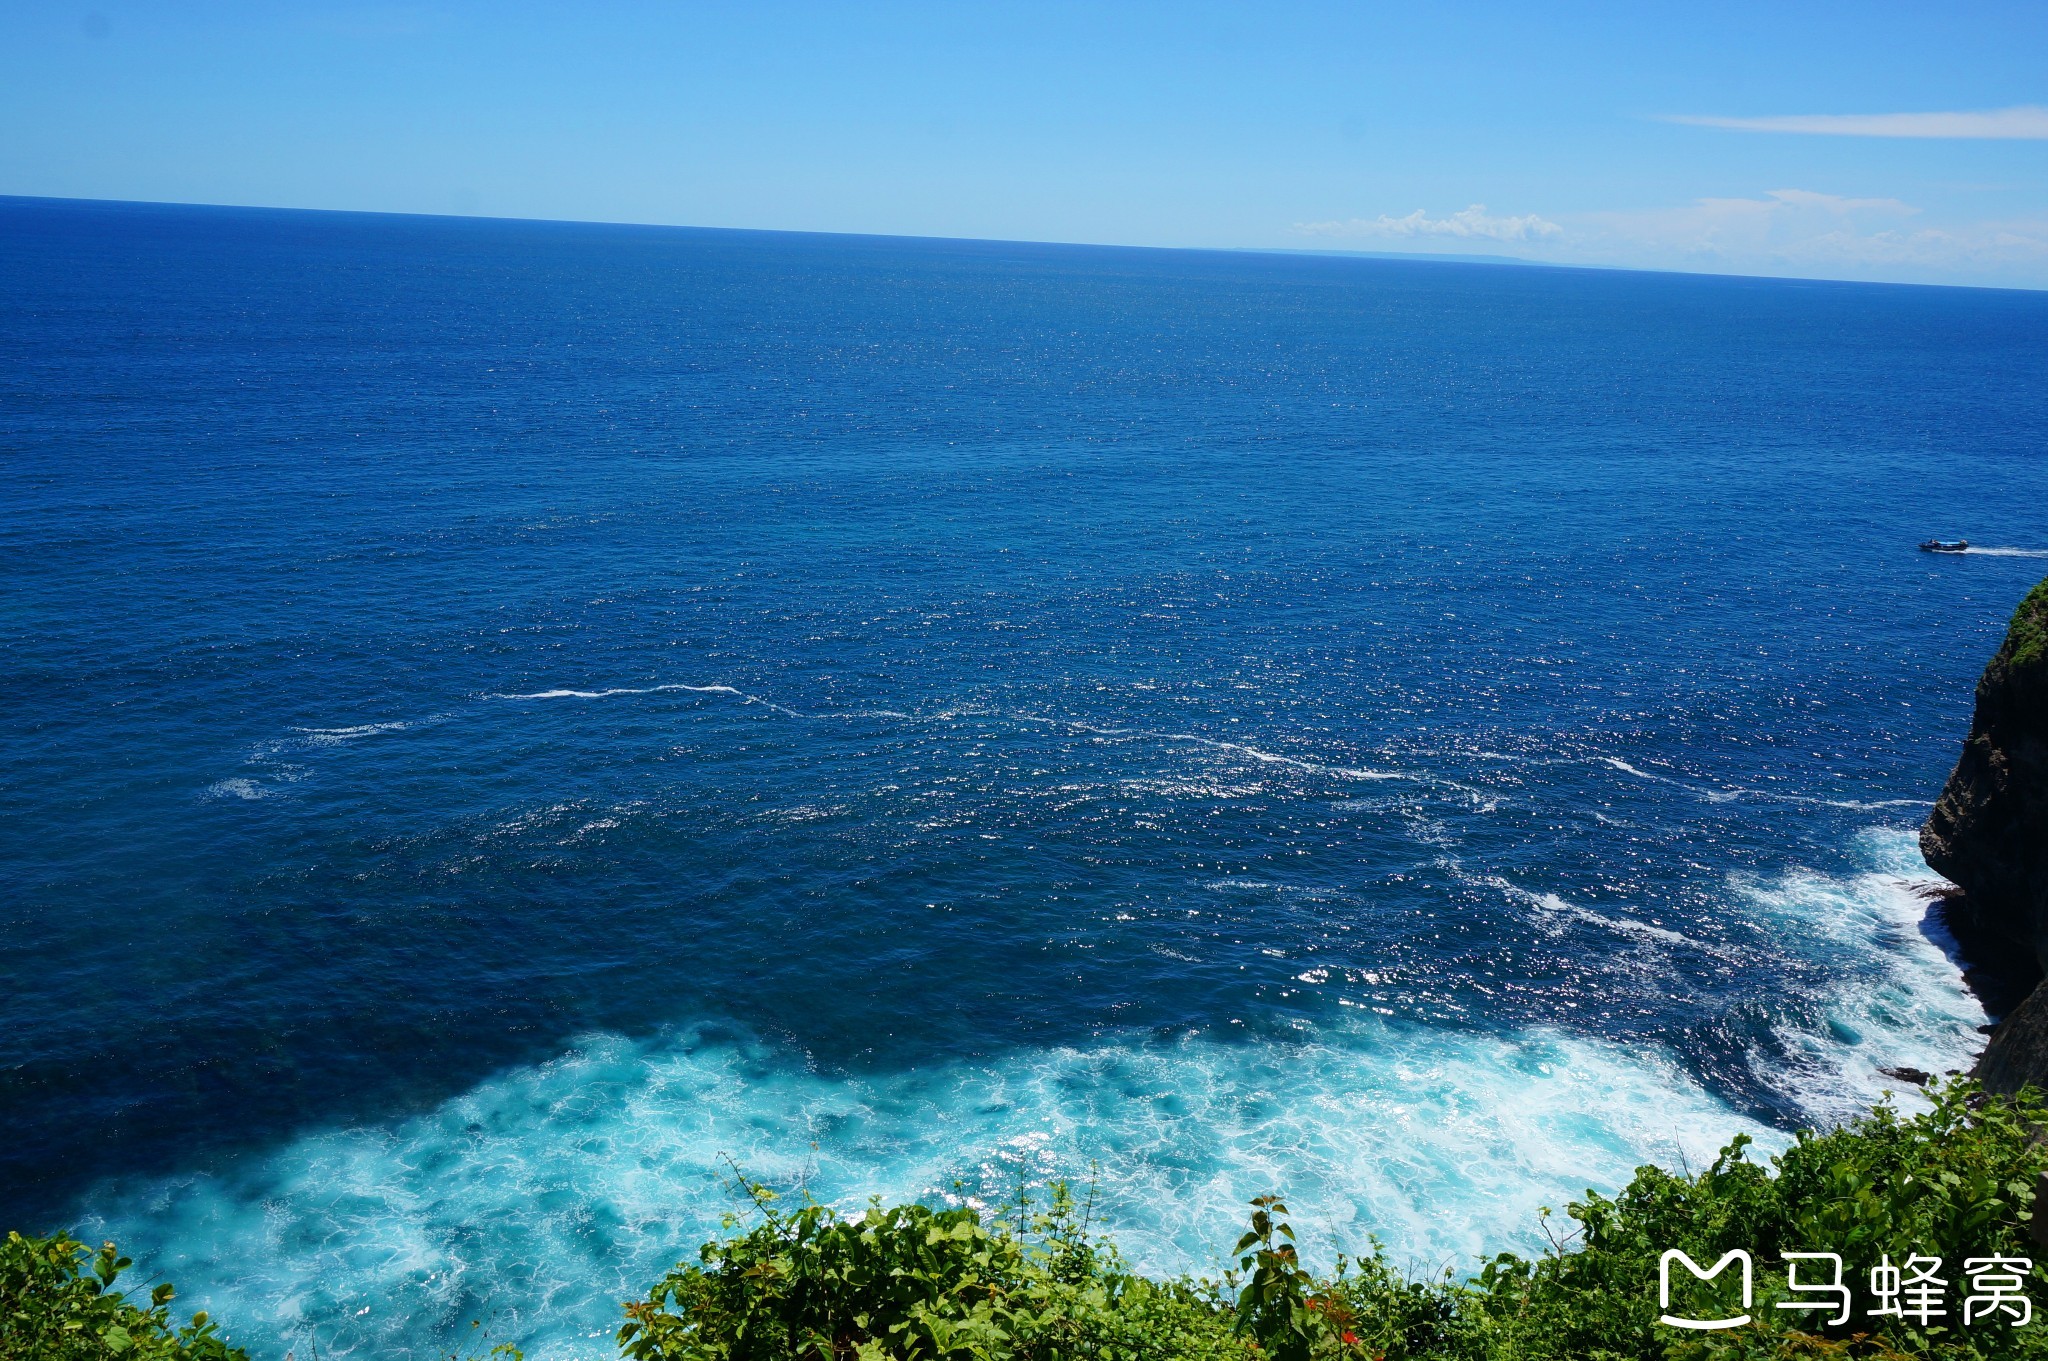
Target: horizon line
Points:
(1439, 257)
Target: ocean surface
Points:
(508, 723)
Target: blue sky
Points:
(1871, 140)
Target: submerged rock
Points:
(1989, 833)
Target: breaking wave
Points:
(541, 1199)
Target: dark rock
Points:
(1917, 1076)
(1988, 835)
(1999, 973)
(2018, 1053)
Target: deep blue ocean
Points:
(503, 718)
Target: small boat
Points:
(1945, 546)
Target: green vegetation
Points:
(2027, 643)
(1032, 1282)
(53, 1309)
(1955, 1182)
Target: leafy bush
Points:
(911, 1283)
(52, 1309)
(2027, 641)
(921, 1285)
(1954, 1182)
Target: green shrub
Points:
(918, 1284)
(53, 1309)
(2028, 638)
(1954, 1182)
(911, 1283)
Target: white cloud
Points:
(1796, 232)
(1472, 224)
(2027, 122)
(1807, 198)
(1801, 231)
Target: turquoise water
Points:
(505, 717)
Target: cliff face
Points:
(1989, 832)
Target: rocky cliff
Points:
(1989, 834)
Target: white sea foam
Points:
(544, 1197)
(2009, 552)
(1730, 793)
(238, 789)
(1625, 767)
(1628, 926)
(1913, 1013)
(622, 690)
(270, 756)
(1246, 750)
(668, 688)
(327, 737)
(1711, 795)
(1552, 907)
(1902, 1003)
